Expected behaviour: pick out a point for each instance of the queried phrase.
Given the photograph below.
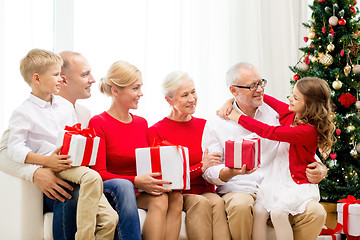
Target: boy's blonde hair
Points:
(37, 61)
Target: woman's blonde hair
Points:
(37, 61)
(318, 112)
(173, 82)
(120, 74)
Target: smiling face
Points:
(184, 99)
(128, 97)
(297, 102)
(47, 82)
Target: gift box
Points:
(171, 161)
(336, 236)
(81, 144)
(245, 151)
(349, 216)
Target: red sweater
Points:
(187, 134)
(118, 141)
(302, 138)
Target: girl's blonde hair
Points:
(120, 74)
(318, 111)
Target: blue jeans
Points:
(121, 196)
(64, 221)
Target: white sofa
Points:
(21, 212)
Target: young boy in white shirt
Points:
(34, 127)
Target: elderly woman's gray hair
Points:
(233, 73)
(173, 82)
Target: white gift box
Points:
(337, 236)
(83, 150)
(244, 151)
(171, 161)
(354, 218)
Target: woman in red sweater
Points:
(121, 133)
(306, 124)
(205, 211)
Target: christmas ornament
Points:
(333, 20)
(347, 99)
(323, 29)
(332, 32)
(338, 132)
(353, 152)
(321, 0)
(311, 34)
(314, 59)
(350, 128)
(358, 147)
(347, 70)
(353, 9)
(333, 156)
(356, 34)
(337, 84)
(306, 39)
(307, 59)
(296, 77)
(326, 59)
(332, 163)
(328, 10)
(357, 105)
(354, 48)
(356, 69)
(330, 47)
(342, 52)
(303, 66)
(342, 22)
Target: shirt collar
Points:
(258, 110)
(41, 103)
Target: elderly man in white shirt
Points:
(239, 191)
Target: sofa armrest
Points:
(21, 209)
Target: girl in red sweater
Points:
(306, 124)
(121, 133)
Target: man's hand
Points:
(315, 172)
(228, 173)
(50, 185)
(210, 160)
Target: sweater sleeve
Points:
(280, 107)
(302, 134)
(100, 165)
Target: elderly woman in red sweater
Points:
(121, 133)
(205, 211)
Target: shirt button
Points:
(298, 181)
(292, 176)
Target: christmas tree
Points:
(331, 53)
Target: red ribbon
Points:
(89, 133)
(330, 231)
(155, 158)
(349, 200)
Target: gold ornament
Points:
(330, 47)
(337, 84)
(356, 69)
(356, 34)
(354, 48)
(357, 105)
(302, 66)
(350, 128)
(311, 34)
(347, 70)
(326, 59)
(314, 59)
(333, 20)
(353, 152)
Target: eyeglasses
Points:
(253, 87)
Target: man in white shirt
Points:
(239, 191)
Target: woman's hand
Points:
(225, 110)
(210, 160)
(234, 116)
(149, 184)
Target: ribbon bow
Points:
(76, 129)
(350, 200)
(330, 231)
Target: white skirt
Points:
(278, 190)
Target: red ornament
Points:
(296, 77)
(342, 52)
(323, 29)
(331, 30)
(353, 9)
(342, 22)
(338, 132)
(333, 156)
(355, 2)
(321, 0)
(347, 100)
(307, 60)
(306, 39)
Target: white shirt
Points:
(35, 124)
(218, 130)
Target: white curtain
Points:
(202, 37)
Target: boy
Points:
(34, 128)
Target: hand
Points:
(58, 162)
(210, 160)
(228, 173)
(234, 116)
(315, 172)
(149, 184)
(51, 185)
(225, 109)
